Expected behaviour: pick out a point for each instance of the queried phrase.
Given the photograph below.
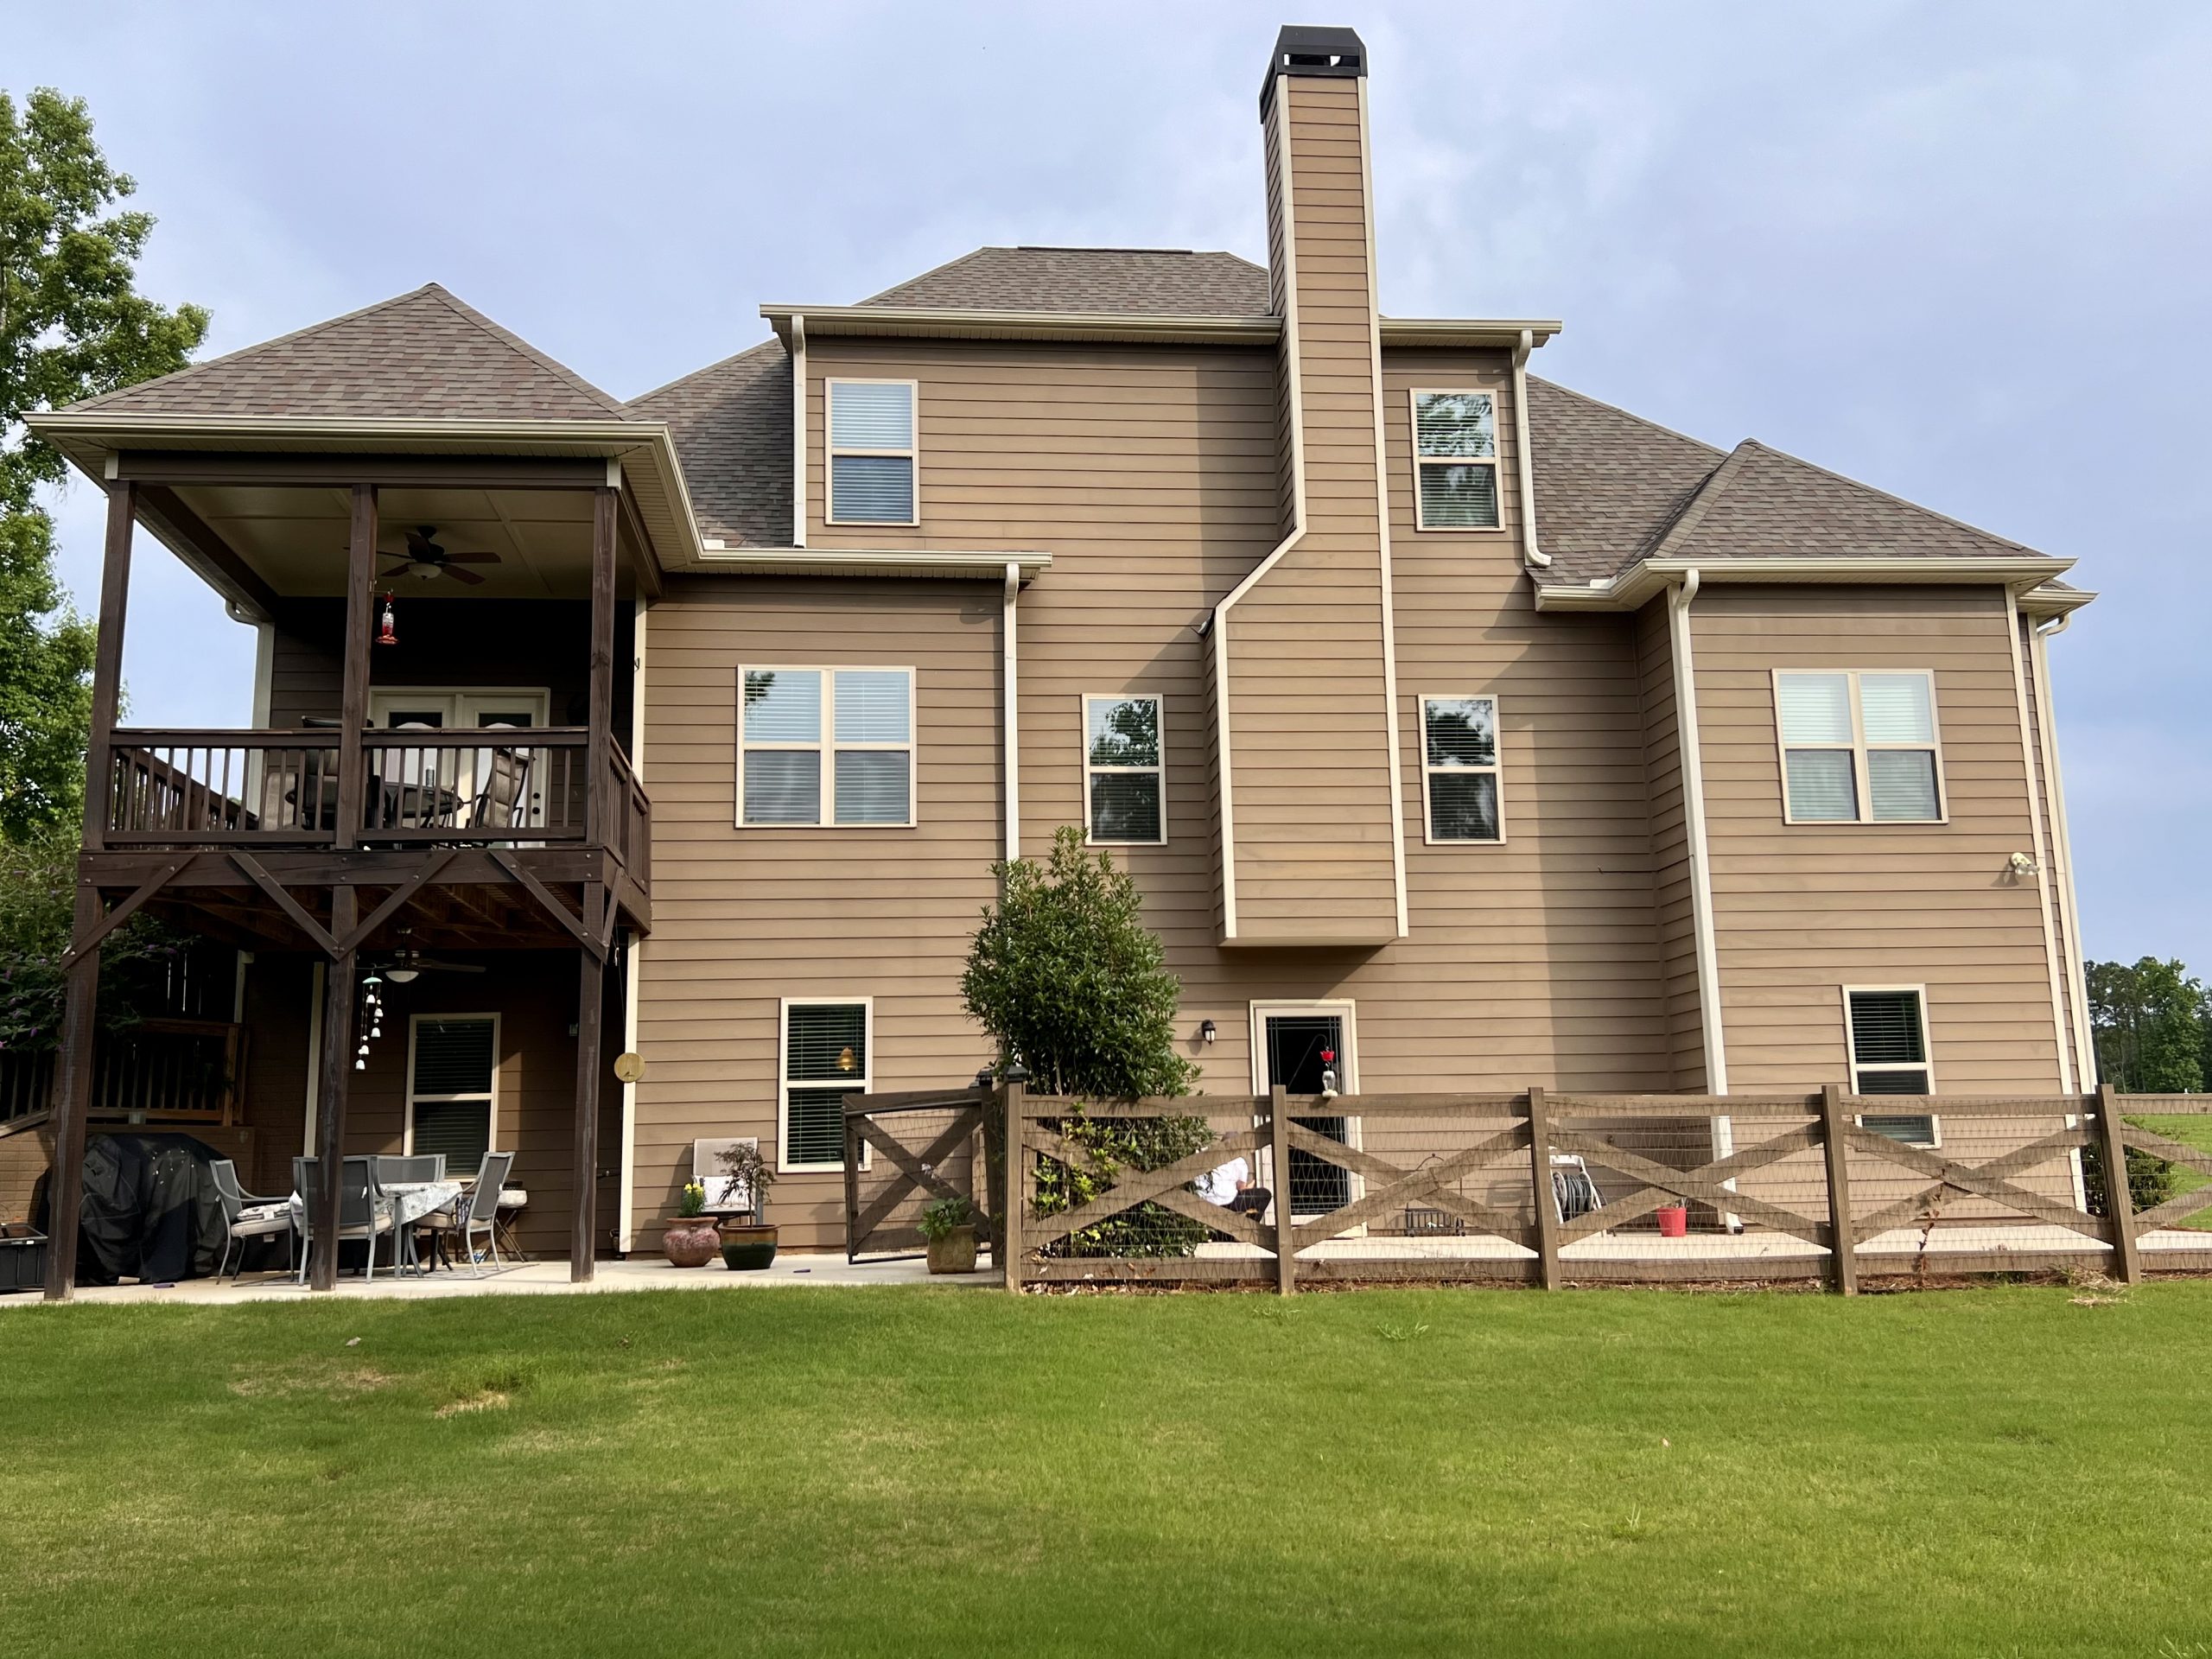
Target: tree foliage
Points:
(37, 898)
(2152, 1022)
(73, 324)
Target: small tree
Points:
(1067, 979)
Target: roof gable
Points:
(423, 355)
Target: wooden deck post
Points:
(1286, 1224)
(334, 1078)
(1014, 1094)
(353, 709)
(1539, 1184)
(72, 1083)
(1843, 1238)
(2119, 1203)
(601, 813)
(591, 1005)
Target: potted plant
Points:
(949, 1225)
(747, 1246)
(690, 1240)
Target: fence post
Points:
(1286, 1225)
(852, 1180)
(1016, 1096)
(1539, 1184)
(1843, 1238)
(2119, 1203)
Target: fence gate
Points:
(902, 1152)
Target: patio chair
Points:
(359, 1214)
(419, 1167)
(247, 1216)
(502, 789)
(477, 1210)
(726, 1196)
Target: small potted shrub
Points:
(689, 1241)
(747, 1246)
(949, 1225)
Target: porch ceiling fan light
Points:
(402, 975)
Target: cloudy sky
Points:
(1959, 250)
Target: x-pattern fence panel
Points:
(904, 1153)
(1549, 1189)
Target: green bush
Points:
(2150, 1181)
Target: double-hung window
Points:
(1858, 747)
(1888, 1033)
(826, 746)
(453, 1063)
(1458, 772)
(1455, 461)
(1123, 775)
(826, 1057)
(873, 456)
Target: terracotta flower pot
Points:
(955, 1252)
(690, 1242)
(747, 1246)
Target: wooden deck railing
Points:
(165, 1069)
(281, 788)
(1546, 1189)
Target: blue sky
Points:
(1958, 250)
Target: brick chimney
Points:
(1312, 849)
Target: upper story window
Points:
(1858, 747)
(1455, 461)
(826, 746)
(1458, 771)
(1123, 775)
(1888, 1034)
(872, 452)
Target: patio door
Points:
(458, 773)
(1293, 1045)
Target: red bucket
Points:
(1675, 1221)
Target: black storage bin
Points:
(23, 1264)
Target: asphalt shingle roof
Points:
(419, 356)
(732, 426)
(1099, 282)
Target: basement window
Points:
(1121, 771)
(825, 745)
(452, 1067)
(1858, 747)
(1455, 461)
(826, 1057)
(1888, 1034)
(1458, 772)
(873, 457)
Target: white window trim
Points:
(1495, 462)
(783, 1083)
(1927, 1047)
(1347, 1084)
(831, 449)
(1858, 747)
(492, 1115)
(1496, 768)
(827, 743)
(1158, 702)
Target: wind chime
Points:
(371, 1016)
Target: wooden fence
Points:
(1546, 1189)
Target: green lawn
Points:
(2190, 1131)
(1993, 1471)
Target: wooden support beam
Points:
(324, 939)
(643, 569)
(276, 471)
(1843, 1238)
(1540, 1180)
(599, 775)
(591, 1006)
(122, 913)
(398, 896)
(72, 1101)
(1015, 1098)
(354, 707)
(107, 664)
(197, 542)
(585, 933)
(2119, 1203)
(1286, 1227)
(336, 1073)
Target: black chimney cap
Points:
(1311, 50)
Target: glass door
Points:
(1299, 1048)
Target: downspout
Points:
(1009, 681)
(1219, 626)
(1531, 555)
(625, 1213)
(798, 430)
(1679, 598)
(2084, 1038)
(2038, 787)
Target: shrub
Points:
(2150, 1181)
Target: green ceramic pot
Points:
(747, 1248)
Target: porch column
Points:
(73, 1083)
(334, 1076)
(598, 810)
(591, 1003)
(353, 709)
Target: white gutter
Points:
(977, 565)
(963, 322)
(1692, 764)
(1531, 555)
(1643, 581)
(798, 429)
(2039, 785)
(1392, 754)
(1010, 681)
(1220, 628)
(2084, 1038)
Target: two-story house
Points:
(1470, 727)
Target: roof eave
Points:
(1641, 582)
(944, 322)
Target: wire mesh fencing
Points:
(904, 1153)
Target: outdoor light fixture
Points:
(1206, 1032)
(402, 976)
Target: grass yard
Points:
(2190, 1131)
(1993, 1471)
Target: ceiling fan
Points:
(407, 962)
(426, 559)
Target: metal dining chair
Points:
(360, 1214)
(247, 1216)
(477, 1210)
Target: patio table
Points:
(406, 1202)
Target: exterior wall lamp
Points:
(1206, 1032)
